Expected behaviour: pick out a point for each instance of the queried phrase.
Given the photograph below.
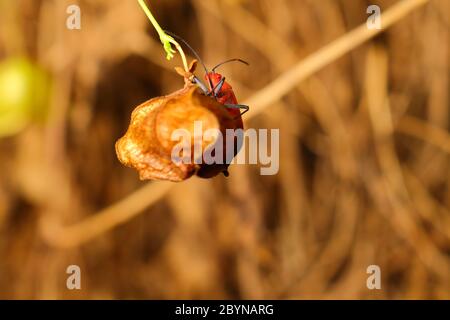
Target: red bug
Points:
(218, 87)
(222, 90)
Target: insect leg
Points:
(201, 85)
(217, 88)
(238, 106)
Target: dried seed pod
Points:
(147, 145)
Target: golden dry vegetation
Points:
(364, 173)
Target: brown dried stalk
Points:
(137, 201)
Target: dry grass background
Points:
(364, 157)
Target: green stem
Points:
(166, 40)
(152, 18)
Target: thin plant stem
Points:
(166, 40)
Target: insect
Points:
(217, 88)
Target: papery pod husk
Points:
(147, 144)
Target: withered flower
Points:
(147, 145)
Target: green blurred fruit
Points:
(24, 94)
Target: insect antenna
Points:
(194, 52)
(190, 48)
(231, 60)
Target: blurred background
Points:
(364, 155)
